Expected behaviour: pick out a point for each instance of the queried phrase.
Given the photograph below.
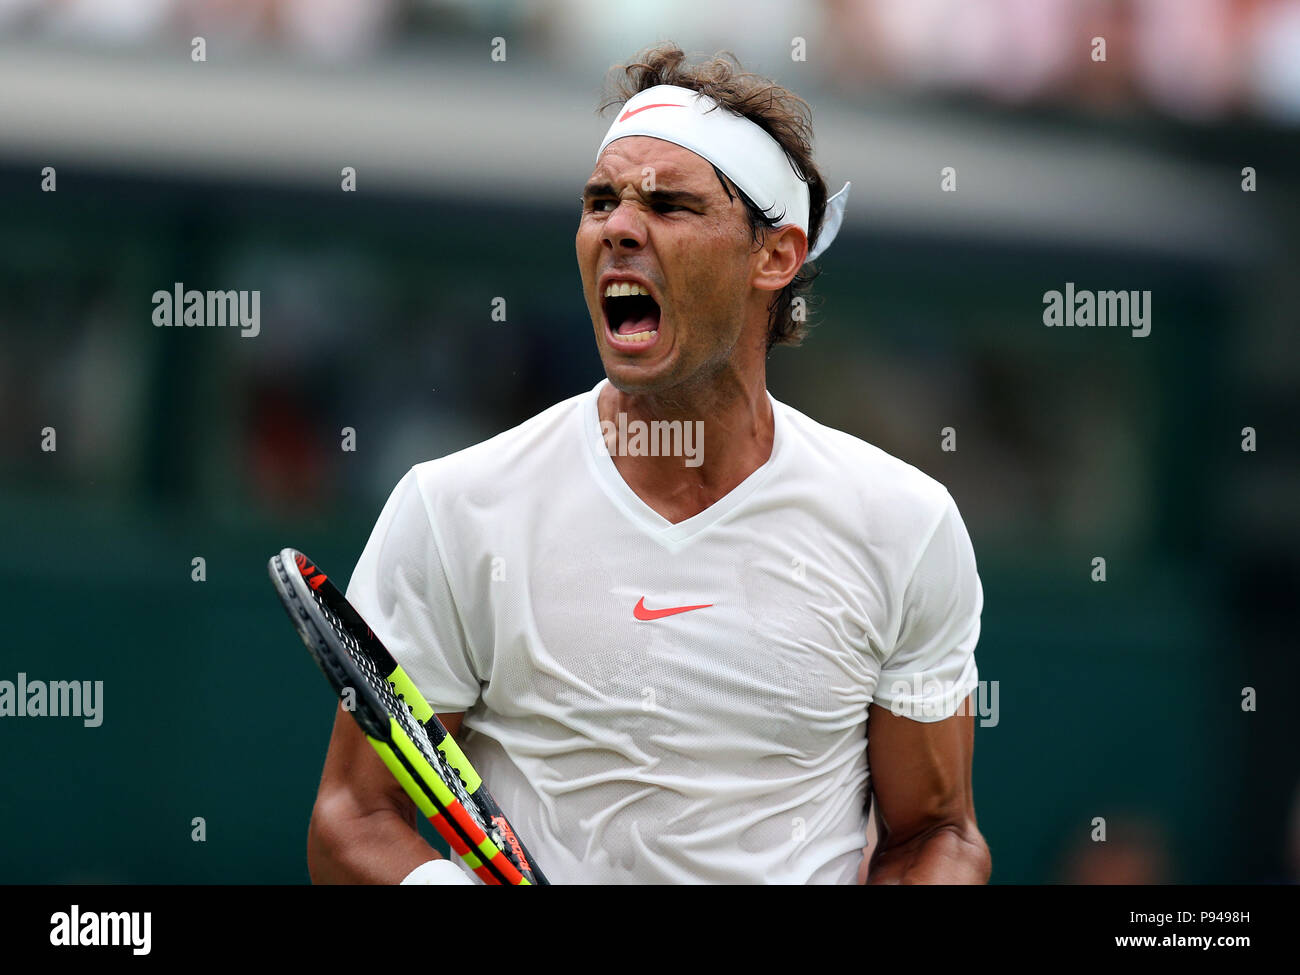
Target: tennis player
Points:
(686, 633)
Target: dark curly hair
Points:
(781, 114)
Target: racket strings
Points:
(397, 706)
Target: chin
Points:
(630, 378)
(637, 374)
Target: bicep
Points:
(363, 826)
(920, 772)
(452, 722)
(355, 780)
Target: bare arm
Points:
(921, 780)
(363, 826)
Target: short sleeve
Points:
(400, 588)
(931, 669)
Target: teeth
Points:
(624, 289)
(639, 336)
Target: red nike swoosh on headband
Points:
(632, 111)
(646, 615)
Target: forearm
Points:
(947, 855)
(380, 847)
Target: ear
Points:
(782, 254)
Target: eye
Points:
(668, 207)
(598, 205)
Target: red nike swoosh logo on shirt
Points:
(646, 615)
(632, 111)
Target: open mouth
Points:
(631, 315)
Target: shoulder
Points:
(881, 486)
(518, 455)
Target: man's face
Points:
(655, 214)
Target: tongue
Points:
(646, 323)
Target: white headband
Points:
(747, 155)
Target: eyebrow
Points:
(674, 197)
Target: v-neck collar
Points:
(652, 523)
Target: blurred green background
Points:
(1120, 700)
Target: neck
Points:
(729, 436)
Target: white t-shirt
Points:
(724, 744)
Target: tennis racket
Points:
(400, 724)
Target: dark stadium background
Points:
(1120, 700)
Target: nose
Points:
(624, 228)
